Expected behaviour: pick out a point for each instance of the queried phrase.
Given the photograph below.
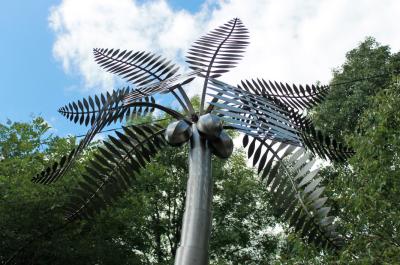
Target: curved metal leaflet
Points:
(163, 86)
(105, 118)
(253, 115)
(84, 111)
(295, 97)
(218, 52)
(314, 140)
(319, 143)
(296, 189)
(141, 69)
(113, 109)
(113, 169)
(58, 169)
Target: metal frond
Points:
(252, 114)
(164, 86)
(218, 51)
(317, 142)
(325, 146)
(114, 168)
(104, 117)
(294, 97)
(142, 69)
(139, 68)
(114, 107)
(84, 111)
(296, 190)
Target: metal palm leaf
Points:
(250, 114)
(218, 52)
(84, 111)
(110, 110)
(139, 68)
(296, 189)
(114, 168)
(281, 141)
(294, 97)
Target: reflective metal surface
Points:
(222, 146)
(178, 133)
(196, 229)
(210, 125)
(252, 114)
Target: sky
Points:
(46, 46)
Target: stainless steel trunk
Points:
(197, 219)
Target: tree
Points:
(28, 211)
(344, 105)
(366, 192)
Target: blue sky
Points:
(32, 81)
(46, 46)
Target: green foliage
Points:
(142, 227)
(345, 104)
(239, 214)
(29, 210)
(374, 210)
(242, 216)
(366, 193)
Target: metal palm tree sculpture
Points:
(281, 140)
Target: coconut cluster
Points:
(209, 126)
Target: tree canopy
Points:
(365, 114)
(143, 227)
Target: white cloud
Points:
(293, 40)
(80, 26)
